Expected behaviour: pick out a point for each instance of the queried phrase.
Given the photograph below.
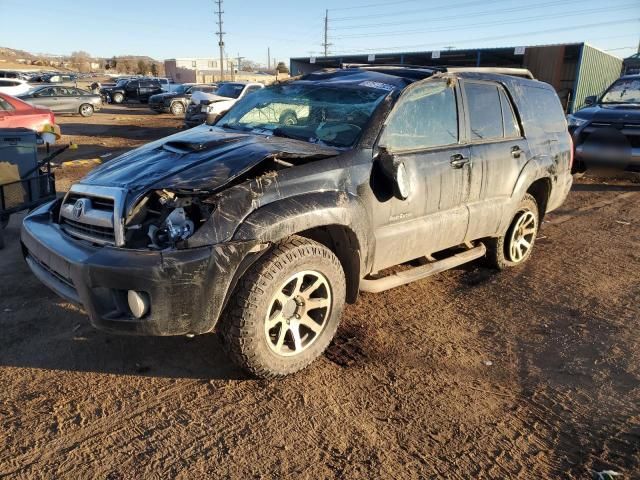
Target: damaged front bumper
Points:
(187, 289)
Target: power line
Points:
(432, 20)
(373, 5)
(519, 35)
(485, 24)
(421, 10)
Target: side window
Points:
(47, 92)
(425, 117)
(252, 88)
(5, 106)
(485, 112)
(511, 127)
(545, 109)
(5, 83)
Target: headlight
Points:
(575, 122)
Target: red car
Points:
(15, 113)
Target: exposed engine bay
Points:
(163, 219)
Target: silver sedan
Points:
(61, 99)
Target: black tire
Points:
(249, 340)
(499, 250)
(288, 118)
(117, 97)
(177, 109)
(86, 110)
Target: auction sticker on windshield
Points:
(378, 85)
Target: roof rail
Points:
(515, 72)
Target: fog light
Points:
(138, 303)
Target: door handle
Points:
(516, 151)
(458, 160)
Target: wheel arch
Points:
(334, 219)
(540, 190)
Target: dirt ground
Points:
(530, 373)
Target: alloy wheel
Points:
(298, 312)
(522, 236)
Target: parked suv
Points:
(607, 131)
(139, 89)
(213, 107)
(177, 102)
(263, 230)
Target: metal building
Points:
(575, 70)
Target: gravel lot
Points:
(530, 373)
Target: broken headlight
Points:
(166, 219)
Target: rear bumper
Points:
(187, 288)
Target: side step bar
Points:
(423, 271)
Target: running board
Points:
(423, 271)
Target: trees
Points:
(282, 68)
(143, 68)
(81, 60)
(154, 69)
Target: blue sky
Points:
(185, 28)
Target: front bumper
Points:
(187, 288)
(159, 107)
(607, 144)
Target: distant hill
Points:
(13, 58)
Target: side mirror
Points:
(590, 100)
(395, 171)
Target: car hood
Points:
(617, 113)
(163, 96)
(203, 158)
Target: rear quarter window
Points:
(544, 110)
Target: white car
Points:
(14, 86)
(216, 104)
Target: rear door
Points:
(67, 100)
(423, 131)
(499, 152)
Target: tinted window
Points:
(4, 105)
(485, 112)
(426, 116)
(511, 127)
(546, 109)
(46, 92)
(252, 88)
(5, 83)
(64, 92)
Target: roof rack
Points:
(515, 72)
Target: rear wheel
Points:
(285, 310)
(86, 110)
(516, 245)
(118, 98)
(177, 108)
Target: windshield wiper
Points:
(278, 132)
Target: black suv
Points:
(177, 102)
(139, 89)
(607, 131)
(262, 229)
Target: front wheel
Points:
(516, 245)
(177, 108)
(86, 110)
(285, 310)
(118, 98)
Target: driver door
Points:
(424, 133)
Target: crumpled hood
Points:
(203, 157)
(610, 114)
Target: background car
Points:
(139, 89)
(14, 86)
(213, 106)
(177, 102)
(64, 100)
(14, 113)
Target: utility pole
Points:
(326, 43)
(268, 58)
(220, 34)
(239, 58)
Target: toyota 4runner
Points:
(263, 229)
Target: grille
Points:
(88, 232)
(97, 203)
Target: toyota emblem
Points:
(78, 208)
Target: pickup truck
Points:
(262, 230)
(139, 89)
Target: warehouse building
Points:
(575, 70)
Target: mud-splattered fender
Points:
(292, 215)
